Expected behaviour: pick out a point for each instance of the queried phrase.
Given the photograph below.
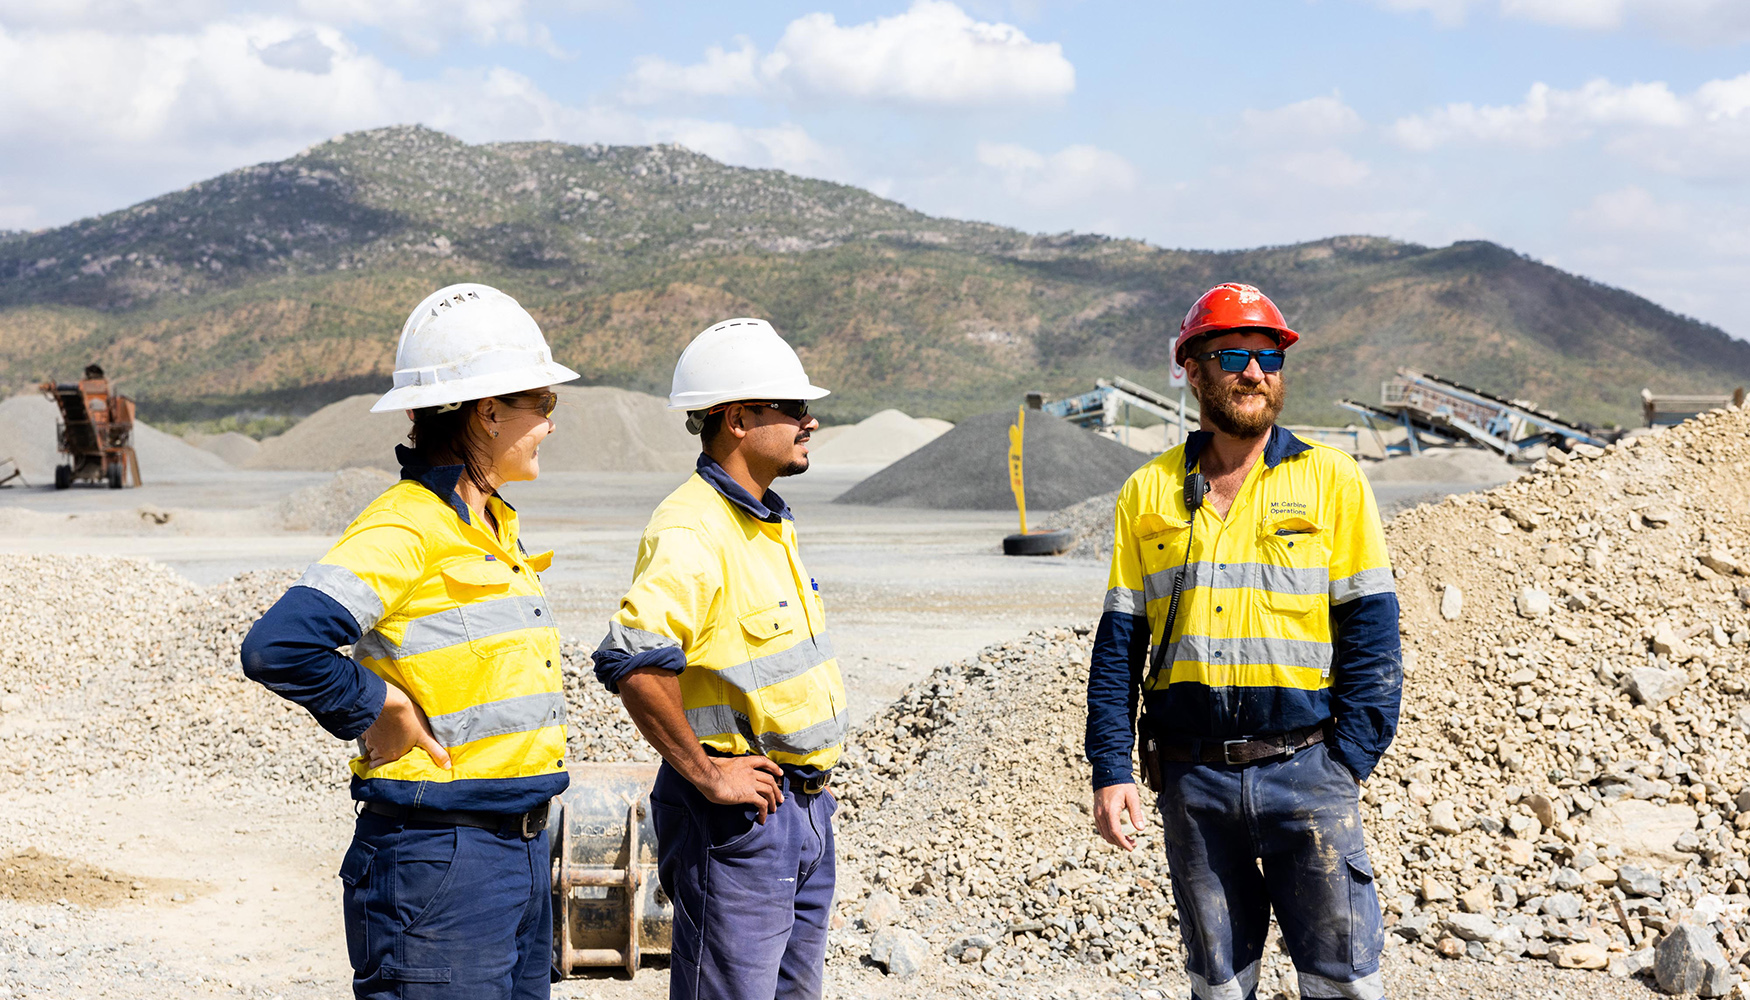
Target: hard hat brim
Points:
(773, 391)
(418, 397)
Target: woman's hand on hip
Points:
(399, 728)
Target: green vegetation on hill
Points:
(282, 287)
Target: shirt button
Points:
(537, 612)
(1291, 545)
(1162, 545)
(1218, 654)
(1218, 609)
(516, 569)
(549, 663)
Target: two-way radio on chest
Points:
(1196, 488)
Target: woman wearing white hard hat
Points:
(453, 687)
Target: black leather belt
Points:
(526, 825)
(808, 786)
(1250, 751)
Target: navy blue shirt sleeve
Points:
(293, 650)
(1367, 680)
(612, 665)
(1120, 644)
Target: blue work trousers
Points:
(1284, 836)
(438, 912)
(751, 902)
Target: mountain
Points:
(283, 286)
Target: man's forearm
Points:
(652, 696)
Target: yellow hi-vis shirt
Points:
(455, 616)
(727, 591)
(1251, 650)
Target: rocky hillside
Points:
(281, 286)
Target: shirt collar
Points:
(1282, 445)
(771, 508)
(440, 479)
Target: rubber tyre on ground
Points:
(115, 477)
(1039, 543)
(63, 476)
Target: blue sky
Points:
(1608, 137)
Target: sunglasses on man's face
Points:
(795, 409)
(1235, 360)
(544, 400)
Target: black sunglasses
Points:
(795, 409)
(1236, 360)
(544, 400)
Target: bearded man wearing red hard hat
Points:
(1251, 610)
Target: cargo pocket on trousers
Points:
(355, 879)
(1366, 926)
(675, 825)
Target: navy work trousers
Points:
(1285, 836)
(751, 902)
(439, 912)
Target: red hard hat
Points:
(1231, 306)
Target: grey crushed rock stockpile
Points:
(27, 435)
(968, 467)
(329, 507)
(596, 428)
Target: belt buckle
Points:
(816, 784)
(533, 822)
(1227, 746)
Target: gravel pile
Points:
(880, 439)
(236, 449)
(1570, 785)
(968, 467)
(1570, 778)
(329, 507)
(596, 429)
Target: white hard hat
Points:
(467, 342)
(738, 359)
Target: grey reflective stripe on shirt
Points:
(721, 720)
(347, 590)
(775, 668)
(522, 714)
(1125, 602)
(1284, 652)
(1249, 575)
(1363, 584)
(453, 626)
(632, 641)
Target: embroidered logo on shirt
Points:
(1279, 508)
(491, 558)
(783, 604)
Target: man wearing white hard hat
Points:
(720, 654)
(453, 687)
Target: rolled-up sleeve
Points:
(294, 649)
(1367, 676)
(1120, 645)
(676, 581)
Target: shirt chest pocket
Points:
(781, 652)
(1293, 567)
(491, 618)
(1162, 541)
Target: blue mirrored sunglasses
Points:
(1235, 360)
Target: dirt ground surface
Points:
(115, 885)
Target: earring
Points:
(494, 433)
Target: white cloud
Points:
(423, 26)
(1698, 22)
(723, 73)
(1314, 118)
(1072, 174)
(1631, 211)
(132, 114)
(933, 55)
(1548, 116)
(1593, 15)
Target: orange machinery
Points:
(96, 432)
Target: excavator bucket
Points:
(608, 910)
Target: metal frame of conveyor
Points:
(1421, 402)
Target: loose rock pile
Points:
(1570, 782)
(329, 507)
(1570, 778)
